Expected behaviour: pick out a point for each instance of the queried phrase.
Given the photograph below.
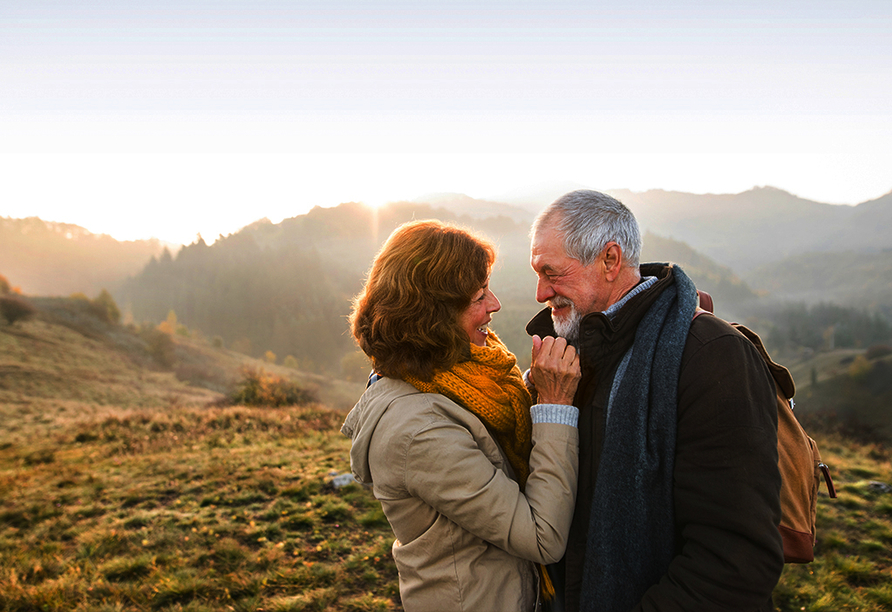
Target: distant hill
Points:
(534, 198)
(46, 258)
(868, 227)
(847, 278)
(463, 205)
(731, 294)
(762, 225)
(854, 393)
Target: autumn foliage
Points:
(258, 388)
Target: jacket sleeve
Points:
(449, 471)
(727, 506)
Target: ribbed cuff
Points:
(555, 413)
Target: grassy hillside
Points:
(124, 488)
(853, 564)
(853, 392)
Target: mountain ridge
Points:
(749, 233)
(53, 258)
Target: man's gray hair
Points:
(588, 220)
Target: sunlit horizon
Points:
(184, 119)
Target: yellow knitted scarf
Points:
(490, 386)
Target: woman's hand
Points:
(555, 370)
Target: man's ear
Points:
(613, 260)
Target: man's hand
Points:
(555, 370)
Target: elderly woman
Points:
(478, 485)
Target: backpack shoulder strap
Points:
(705, 301)
(781, 375)
(704, 304)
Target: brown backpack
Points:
(799, 460)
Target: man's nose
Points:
(544, 291)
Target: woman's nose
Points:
(494, 304)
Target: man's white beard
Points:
(567, 326)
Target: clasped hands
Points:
(555, 370)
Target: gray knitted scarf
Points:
(631, 530)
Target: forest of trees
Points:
(824, 327)
(287, 288)
(256, 299)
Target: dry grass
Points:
(190, 508)
(124, 488)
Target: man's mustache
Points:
(560, 302)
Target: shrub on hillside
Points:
(14, 308)
(860, 368)
(160, 345)
(257, 388)
(4, 285)
(105, 307)
(169, 325)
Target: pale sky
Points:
(171, 118)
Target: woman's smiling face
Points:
(476, 317)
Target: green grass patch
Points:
(853, 563)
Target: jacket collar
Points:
(363, 419)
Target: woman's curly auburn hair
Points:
(406, 317)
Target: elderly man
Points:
(678, 500)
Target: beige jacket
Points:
(466, 537)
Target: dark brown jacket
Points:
(729, 554)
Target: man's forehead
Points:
(549, 255)
(548, 238)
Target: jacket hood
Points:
(363, 419)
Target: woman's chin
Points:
(479, 337)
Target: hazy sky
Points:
(170, 118)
